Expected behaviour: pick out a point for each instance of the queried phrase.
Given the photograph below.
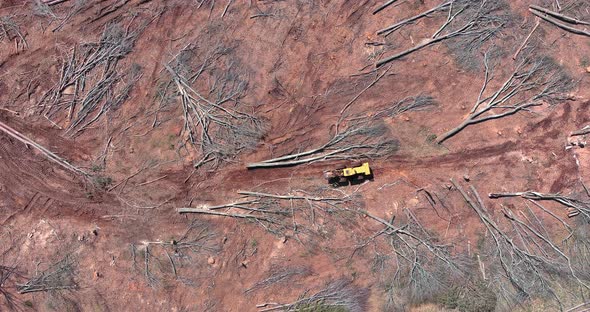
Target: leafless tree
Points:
(212, 85)
(577, 243)
(84, 99)
(473, 21)
(532, 263)
(9, 30)
(563, 21)
(105, 95)
(577, 206)
(278, 275)
(301, 214)
(423, 267)
(58, 276)
(77, 7)
(362, 137)
(7, 274)
(410, 103)
(534, 81)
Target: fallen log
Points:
(384, 6)
(560, 16)
(257, 194)
(217, 213)
(546, 17)
(51, 156)
(53, 2)
(582, 131)
(388, 30)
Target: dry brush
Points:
(534, 81)
(360, 137)
(472, 22)
(211, 84)
(523, 257)
(91, 82)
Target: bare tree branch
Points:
(478, 20)
(362, 138)
(532, 83)
(57, 277)
(556, 18)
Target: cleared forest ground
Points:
(168, 155)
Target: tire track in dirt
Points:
(534, 141)
(248, 177)
(459, 157)
(43, 188)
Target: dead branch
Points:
(229, 2)
(581, 305)
(146, 166)
(524, 42)
(41, 8)
(550, 17)
(51, 156)
(363, 91)
(78, 7)
(384, 6)
(9, 30)
(54, 2)
(410, 103)
(570, 202)
(153, 180)
(58, 276)
(582, 131)
(532, 262)
(533, 82)
(364, 137)
(179, 252)
(107, 10)
(212, 85)
(549, 212)
(107, 93)
(218, 213)
(278, 275)
(560, 16)
(390, 29)
(7, 274)
(478, 22)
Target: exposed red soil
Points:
(302, 64)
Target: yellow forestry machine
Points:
(353, 174)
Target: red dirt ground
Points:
(302, 61)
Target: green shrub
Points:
(473, 298)
(102, 182)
